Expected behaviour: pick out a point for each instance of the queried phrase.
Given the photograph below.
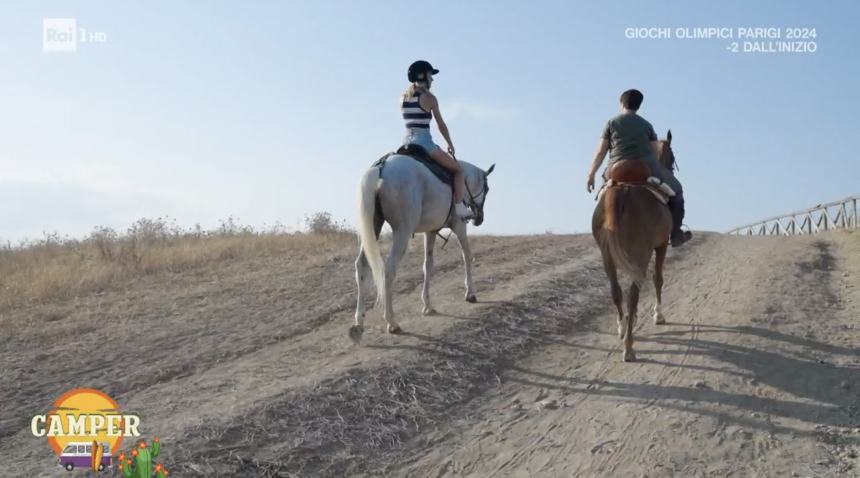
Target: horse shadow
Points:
(820, 392)
(812, 390)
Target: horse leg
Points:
(361, 267)
(617, 297)
(459, 229)
(658, 284)
(429, 242)
(398, 249)
(632, 303)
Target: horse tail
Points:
(367, 235)
(613, 209)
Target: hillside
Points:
(243, 367)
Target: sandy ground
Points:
(245, 369)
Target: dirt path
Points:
(249, 371)
(755, 375)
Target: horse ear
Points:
(669, 136)
(491, 169)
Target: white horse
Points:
(408, 196)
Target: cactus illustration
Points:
(138, 463)
(160, 471)
(125, 466)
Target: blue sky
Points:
(268, 111)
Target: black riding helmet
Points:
(418, 71)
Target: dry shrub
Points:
(323, 223)
(57, 267)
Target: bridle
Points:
(671, 163)
(473, 203)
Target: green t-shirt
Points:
(629, 136)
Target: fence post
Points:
(846, 221)
(855, 212)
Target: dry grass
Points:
(57, 267)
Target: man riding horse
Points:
(630, 136)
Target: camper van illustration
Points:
(80, 454)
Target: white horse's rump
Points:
(411, 200)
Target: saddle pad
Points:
(419, 154)
(665, 188)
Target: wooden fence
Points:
(823, 217)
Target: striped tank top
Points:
(413, 115)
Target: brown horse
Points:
(630, 224)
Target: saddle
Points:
(636, 173)
(418, 153)
(630, 171)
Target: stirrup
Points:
(680, 238)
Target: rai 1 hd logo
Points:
(85, 428)
(65, 35)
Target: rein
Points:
(472, 202)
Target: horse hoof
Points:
(659, 319)
(394, 329)
(629, 356)
(355, 333)
(471, 299)
(429, 311)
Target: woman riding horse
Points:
(412, 199)
(418, 106)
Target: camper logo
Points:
(85, 428)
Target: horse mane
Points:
(473, 174)
(470, 171)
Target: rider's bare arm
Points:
(602, 149)
(433, 106)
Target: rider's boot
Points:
(462, 211)
(678, 236)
